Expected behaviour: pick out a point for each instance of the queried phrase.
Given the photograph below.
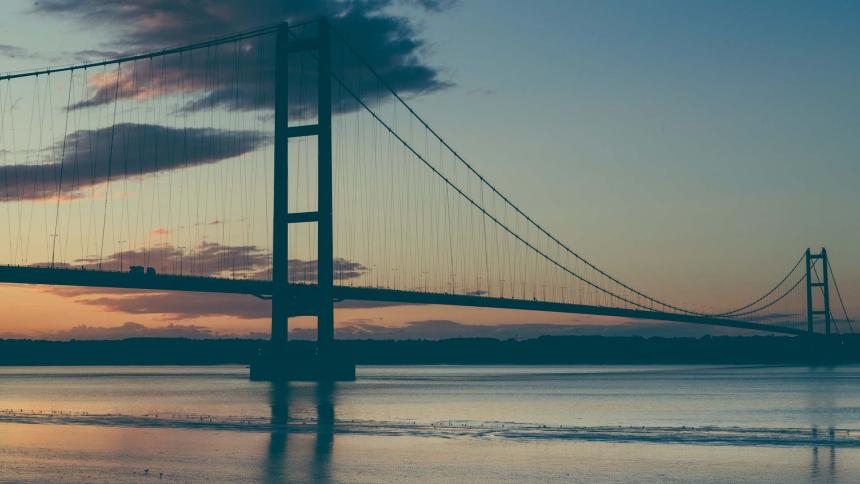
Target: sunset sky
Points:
(693, 149)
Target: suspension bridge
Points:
(280, 163)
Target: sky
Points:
(694, 149)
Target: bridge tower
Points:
(326, 365)
(814, 282)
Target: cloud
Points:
(444, 329)
(212, 259)
(173, 306)
(90, 160)
(135, 330)
(306, 270)
(365, 329)
(433, 5)
(92, 54)
(208, 259)
(13, 51)
(773, 317)
(125, 330)
(184, 306)
(355, 304)
(77, 291)
(14, 335)
(388, 41)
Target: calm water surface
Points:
(433, 423)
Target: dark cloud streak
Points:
(12, 51)
(389, 42)
(145, 149)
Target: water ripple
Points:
(702, 435)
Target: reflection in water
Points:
(277, 457)
(279, 397)
(832, 462)
(815, 472)
(325, 430)
(735, 424)
(821, 397)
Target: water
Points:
(433, 423)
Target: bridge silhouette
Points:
(281, 163)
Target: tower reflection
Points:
(279, 398)
(325, 401)
(822, 399)
(816, 470)
(283, 452)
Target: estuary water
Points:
(433, 423)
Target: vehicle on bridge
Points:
(139, 271)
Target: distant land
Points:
(542, 350)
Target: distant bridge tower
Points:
(814, 283)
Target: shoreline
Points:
(542, 351)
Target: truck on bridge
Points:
(139, 271)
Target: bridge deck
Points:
(303, 295)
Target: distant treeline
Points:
(543, 350)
